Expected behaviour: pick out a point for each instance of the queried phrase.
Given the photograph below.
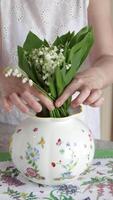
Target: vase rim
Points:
(60, 118)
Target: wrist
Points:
(104, 65)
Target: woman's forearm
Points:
(105, 64)
(100, 18)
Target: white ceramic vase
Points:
(52, 151)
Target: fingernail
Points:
(26, 110)
(51, 106)
(58, 104)
(39, 109)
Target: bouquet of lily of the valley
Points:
(51, 67)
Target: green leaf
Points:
(76, 62)
(65, 38)
(78, 54)
(45, 43)
(82, 33)
(52, 87)
(32, 41)
(62, 40)
(74, 50)
(59, 81)
(89, 43)
(86, 40)
(72, 41)
(20, 56)
(57, 41)
(66, 52)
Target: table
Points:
(96, 183)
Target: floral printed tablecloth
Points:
(96, 183)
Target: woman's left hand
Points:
(90, 84)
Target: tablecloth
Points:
(96, 183)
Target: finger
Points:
(69, 91)
(6, 104)
(94, 96)
(18, 103)
(98, 103)
(84, 93)
(10, 104)
(31, 101)
(44, 100)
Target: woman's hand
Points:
(14, 92)
(89, 83)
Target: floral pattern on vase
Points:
(72, 162)
(32, 155)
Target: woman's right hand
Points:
(14, 92)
